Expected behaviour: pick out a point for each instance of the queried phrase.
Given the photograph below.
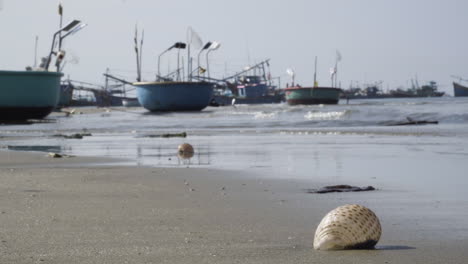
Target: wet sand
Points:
(77, 211)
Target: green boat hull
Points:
(312, 95)
(28, 94)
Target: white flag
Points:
(332, 71)
(338, 55)
(194, 39)
(290, 72)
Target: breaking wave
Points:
(321, 116)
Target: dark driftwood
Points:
(413, 122)
(181, 135)
(340, 188)
(74, 136)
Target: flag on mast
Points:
(60, 9)
(338, 56)
(194, 39)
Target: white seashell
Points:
(55, 155)
(186, 151)
(348, 227)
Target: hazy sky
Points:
(380, 40)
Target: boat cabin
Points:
(251, 87)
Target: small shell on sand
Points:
(348, 227)
(186, 151)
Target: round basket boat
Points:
(174, 96)
(28, 94)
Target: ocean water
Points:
(353, 143)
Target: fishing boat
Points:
(174, 96)
(28, 94)
(116, 93)
(459, 90)
(34, 93)
(172, 92)
(106, 98)
(298, 95)
(248, 89)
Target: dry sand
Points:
(70, 211)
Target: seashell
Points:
(348, 227)
(55, 155)
(186, 151)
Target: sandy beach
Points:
(71, 211)
(300, 97)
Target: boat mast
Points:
(137, 56)
(138, 52)
(183, 68)
(35, 51)
(335, 71)
(178, 65)
(107, 80)
(315, 73)
(189, 41)
(264, 72)
(335, 79)
(269, 74)
(141, 52)
(60, 11)
(59, 50)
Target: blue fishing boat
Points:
(172, 92)
(249, 89)
(28, 94)
(174, 96)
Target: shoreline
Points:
(76, 211)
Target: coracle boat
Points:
(172, 93)
(297, 95)
(34, 93)
(174, 96)
(28, 94)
